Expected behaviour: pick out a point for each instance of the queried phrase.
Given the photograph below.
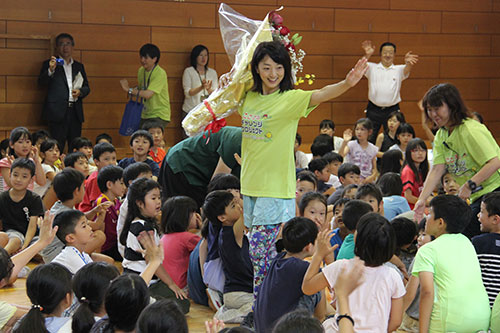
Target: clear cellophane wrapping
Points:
(241, 36)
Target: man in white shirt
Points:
(384, 83)
(63, 108)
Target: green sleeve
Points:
(424, 260)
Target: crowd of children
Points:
(343, 254)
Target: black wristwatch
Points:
(472, 186)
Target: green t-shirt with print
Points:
(158, 106)
(465, 151)
(460, 301)
(269, 126)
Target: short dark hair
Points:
(399, 116)
(311, 196)
(72, 158)
(348, 188)
(24, 163)
(492, 203)
(66, 222)
(48, 145)
(365, 122)
(176, 213)
(224, 181)
(327, 123)
(144, 134)
(298, 321)
(332, 156)
(375, 240)
(478, 116)
(455, 212)
(64, 35)
(110, 173)
(101, 148)
(277, 52)
(215, 205)
(369, 189)
(321, 145)
(104, 136)
(446, 93)
(391, 161)
(133, 171)
(318, 164)
(195, 52)
(346, 168)
(405, 230)
(298, 232)
(298, 138)
(353, 210)
(6, 265)
(66, 182)
(390, 184)
(80, 142)
(152, 123)
(339, 202)
(40, 134)
(150, 50)
(162, 316)
(387, 44)
(307, 176)
(404, 128)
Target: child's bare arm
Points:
(396, 316)
(6, 176)
(371, 178)
(344, 149)
(30, 233)
(314, 280)
(411, 292)
(239, 229)
(40, 178)
(165, 277)
(410, 197)
(426, 280)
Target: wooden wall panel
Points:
(369, 4)
(470, 67)
(28, 115)
(45, 11)
(435, 45)
(387, 21)
(89, 36)
(338, 43)
(414, 89)
(496, 5)
(443, 5)
(24, 89)
(495, 89)
(119, 12)
(3, 87)
(495, 45)
(21, 62)
(167, 39)
(471, 23)
(3, 29)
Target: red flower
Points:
(284, 30)
(276, 18)
(290, 46)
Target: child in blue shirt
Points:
(391, 186)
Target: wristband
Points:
(130, 90)
(339, 318)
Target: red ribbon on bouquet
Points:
(215, 125)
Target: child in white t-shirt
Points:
(49, 150)
(377, 304)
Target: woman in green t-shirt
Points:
(463, 147)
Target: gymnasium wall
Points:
(458, 41)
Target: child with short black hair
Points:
(348, 173)
(301, 159)
(327, 126)
(140, 143)
(449, 184)
(306, 182)
(156, 129)
(84, 145)
(375, 245)
(179, 215)
(334, 160)
(320, 169)
(340, 231)
(110, 182)
(39, 136)
(299, 321)
(406, 234)
(49, 151)
(224, 209)
(388, 137)
(281, 290)
(321, 145)
(313, 206)
(19, 207)
(103, 137)
(487, 245)
(69, 188)
(391, 186)
(78, 161)
(448, 267)
(75, 233)
(371, 194)
(391, 161)
(349, 192)
(162, 316)
(104, 154)
(404, 134)
(352, 213)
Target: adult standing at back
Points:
(384, 83)
(63, 107)
(198, 80)
(152, 86)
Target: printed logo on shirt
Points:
(27, 213)
(252, 127)
(457, 165)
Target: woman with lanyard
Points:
(198, 80)
(153, 86)
(463, 147)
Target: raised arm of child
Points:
(334, 90)
(40, 178)
(344, 149)
(426, 280)
(153, 254)
(314, 280)
(239, 229)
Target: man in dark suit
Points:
(63, 107)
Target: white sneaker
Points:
(214, 300)
(24, 272)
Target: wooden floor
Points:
(16, 294)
